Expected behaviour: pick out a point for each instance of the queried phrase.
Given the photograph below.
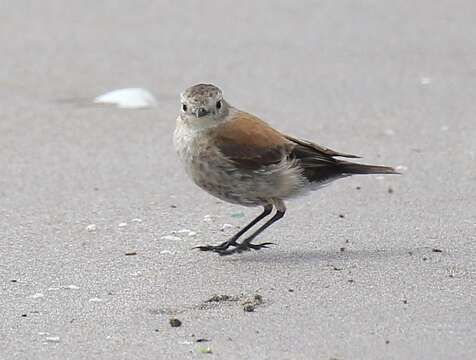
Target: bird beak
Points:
(199, 112)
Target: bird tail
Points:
(354, 168)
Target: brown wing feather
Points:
(250, 142)
(319, 149)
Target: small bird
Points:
(239, 158)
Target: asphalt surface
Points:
(357, 271)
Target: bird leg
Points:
(246, 245)
(232, 241)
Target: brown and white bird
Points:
(240, 159)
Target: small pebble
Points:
(24, 315)
(204, 350)
(96, 300)
(91, 227)
(358, 188)
(53, 339)
(202, 340)
(342, 249)
(226, 227)
(390, 190)
(122, 224)
(13, 281)
(136, 220)
(171, 237)
(175, 322)
(173, 206)
(435, 250)
(71, 287)
(424, 80)
(37, 296)
(341, 216)
(131, 253)
(248, 307)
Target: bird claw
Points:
(243, 247)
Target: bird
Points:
(239, 158)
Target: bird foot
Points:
(216, 248)
(239, 248)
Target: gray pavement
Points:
(393, 81)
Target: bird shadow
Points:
(299, 256)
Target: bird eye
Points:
(184, 107)
(218, 104)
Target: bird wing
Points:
(250, 143)
(319, 149)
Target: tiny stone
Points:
(171, 237)
(425, 258)
(37, 296)
(13, 281)
(350, 280)
(405, 301)
(96, 300)
(71, 287)
(258, 299)
(226, 226)
(156, 330)
(342, 249)
(387, 342)
(173, 206)
(202, 340)
(205, 350)
(91, 227)
(410, 253)
(341, 216)
(435, 250)
(175, 322)
(24, 315)
(390, 190)
(131, 253)
(358, 188)
(291, 290)
(122, 224)
(52, 339)
(248, 307)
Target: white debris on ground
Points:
(96, 299)
(208, 218)
(389, 132)
(37, 296)
(184, 231)
(226, 227)
(166, 252)
(171, 237)
(91, 227)
(71, 287)
(129, 98)
(54, 339)
(136, 220)
(122, 224)
(401, 168)
(424, 80)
